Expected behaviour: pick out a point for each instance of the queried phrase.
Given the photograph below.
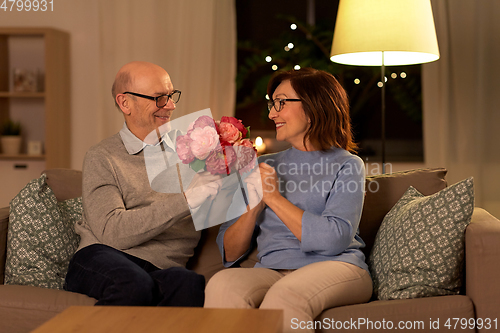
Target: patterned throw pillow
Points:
(419, 248)
(41, 238)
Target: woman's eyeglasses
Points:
(280, 102)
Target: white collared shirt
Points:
(134, 145)
(160, 157)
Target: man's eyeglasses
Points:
(161, 100)
(280, 102)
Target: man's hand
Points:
(254, 187)
(204, 186)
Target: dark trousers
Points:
(116, 278)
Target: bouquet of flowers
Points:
(217, 146)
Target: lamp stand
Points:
(382, 78)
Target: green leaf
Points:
(197, 165)
(10, 127)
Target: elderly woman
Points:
(306, 225)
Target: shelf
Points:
(24, 157)
(45, 113)
(12, 94)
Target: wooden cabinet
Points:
(44, 113)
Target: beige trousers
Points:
(303, 293)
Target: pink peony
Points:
(236, 123)
(229, 132)
(221, 160)
(201, 122)
(246, 155)
(183, 148)
(245, 142)
(204, 141)
(213, 142)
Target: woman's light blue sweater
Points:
(329, 187)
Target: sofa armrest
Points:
(4, 222)
(482, 258)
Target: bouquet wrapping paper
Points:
(193, 147)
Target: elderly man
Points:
(135, 241)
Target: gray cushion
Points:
(419, 248)
(41, 238)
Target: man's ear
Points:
(123, 103)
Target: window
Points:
(274, 35)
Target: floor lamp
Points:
(384, 33)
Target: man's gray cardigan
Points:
(122, 211)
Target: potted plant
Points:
(11, 137)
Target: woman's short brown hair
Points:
(325, 103)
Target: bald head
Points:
(133, 75)
(143, 82)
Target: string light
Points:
(269, 59)
(394, 75)
(274, 67)
(296, 67)
(293, 26)
(289, 47)
(403, 75)
(357, 81)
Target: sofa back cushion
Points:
(383, 191)
(207, 259)
(65, 183)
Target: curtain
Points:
(193, 40)
(461, 97)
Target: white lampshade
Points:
(402, 30)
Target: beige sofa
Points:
(22, 308)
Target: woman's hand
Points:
(287, 212)
(270, 183)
